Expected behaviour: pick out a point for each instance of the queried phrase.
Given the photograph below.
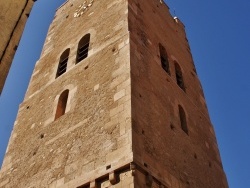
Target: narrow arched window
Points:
(62, 66)
(179, 78)
(83, 48)
(183, 119)
(164, 58)
(62, 103)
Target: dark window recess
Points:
(179, 77)
(83, 48)
(15, 47)
(164, 59)
(183, 120)
(108, 167)
(194, 70)
(62, 103)
(172, 126)
(84, 186)
(62, 66)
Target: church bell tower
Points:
(114, 101)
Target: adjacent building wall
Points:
(13, 16)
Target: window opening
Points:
(164, 59)
(62, 103)
(179, 77)
(85, 186)
(83, 48)
(62, 66)
(183, 120)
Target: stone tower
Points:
(13, 16)
(114, 101)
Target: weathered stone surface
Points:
(121, 127)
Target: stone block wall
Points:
(93, 138)
(13, 17)
(161, 147)
(122, 124)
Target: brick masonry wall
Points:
(13, 17)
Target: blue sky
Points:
(218, 33)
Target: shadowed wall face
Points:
(173, 138)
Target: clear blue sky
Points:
(219, 36)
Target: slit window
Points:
(183, 119)
(62, 66)
(62, 103)
(179, 77)
(83, 48)
(164, 59)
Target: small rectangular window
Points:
(62, 66)
(83, 48)
(164, 59)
